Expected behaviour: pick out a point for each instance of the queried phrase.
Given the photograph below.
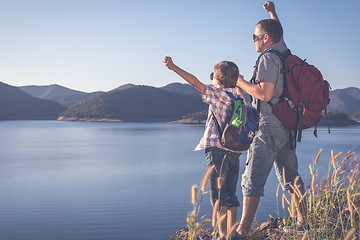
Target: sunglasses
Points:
(257, 38)
(212, 77)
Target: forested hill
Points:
(57, 93)
(346, 100)
(131, 102)
(136, 103)
(18, 105)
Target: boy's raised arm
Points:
(191, 79)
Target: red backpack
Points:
(305, 96)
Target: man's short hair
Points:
(227, 72)
(273, 28)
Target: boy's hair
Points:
(273, 28)
(227, 72)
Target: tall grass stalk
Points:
(333, 204)
(193, 222)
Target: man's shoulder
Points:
(267, 61)
(271, 56)
(279, 47)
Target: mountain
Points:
(136, 103)
(18, 105)
(131, 102)
(345, 100)
(57, 93)
(180, 88)
(343, 109)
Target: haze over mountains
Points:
(127, 103)
(57, 93)
(15, 104)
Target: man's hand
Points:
(241, 77)
(263, 91)
(269, 7)
(168, 62)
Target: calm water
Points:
(73, 180)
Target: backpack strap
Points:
(292, 139)
(325, 107)
(300, 115)
(232, 96)
(325, 111)
(283, 71)
(216, 122)
(252, 80)
(283, 96)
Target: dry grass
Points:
(332, 204)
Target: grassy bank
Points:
(332, 203)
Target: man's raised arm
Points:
(270, 8)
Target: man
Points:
(272, 144)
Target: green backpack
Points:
(239, 132)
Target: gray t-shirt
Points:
(269, 71)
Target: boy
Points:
(226, 162)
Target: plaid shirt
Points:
(221, 105)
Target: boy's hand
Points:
(269, 7)
(241, 77)
(168, 62)
(191, 79)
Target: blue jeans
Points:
(228, 169)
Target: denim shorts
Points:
(271, 146)
(229, 172)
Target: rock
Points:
(182, 234)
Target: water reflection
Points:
(72, 180)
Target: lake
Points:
(83, 180)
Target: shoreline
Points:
(270, 229)
(330, 123)
(75, 119)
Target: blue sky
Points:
(92, 45)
